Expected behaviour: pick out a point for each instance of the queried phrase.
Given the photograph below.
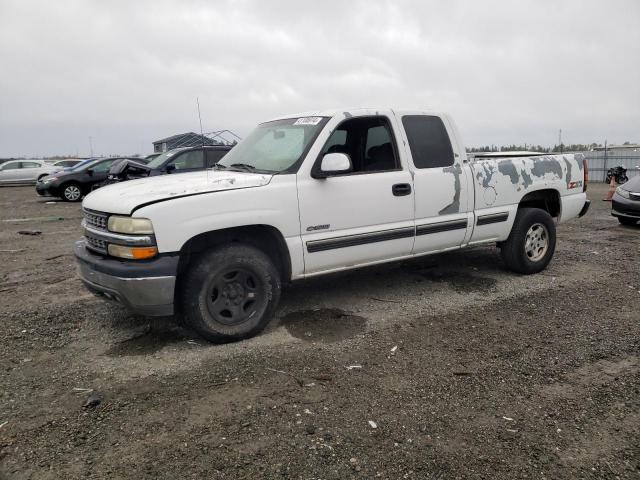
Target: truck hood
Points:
(124, 197)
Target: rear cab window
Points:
(428, 140)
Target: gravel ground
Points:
(441, 368)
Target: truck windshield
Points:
(274, 146)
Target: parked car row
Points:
(179, 160)
(74, 183)
(16, 172)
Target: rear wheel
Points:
(531, 243)
(229, 293)
(71, 192)
(627, 221)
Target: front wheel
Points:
(229, 293)
(531, 243)
(71, 192)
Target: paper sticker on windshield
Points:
(308, 121)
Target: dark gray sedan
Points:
(626, 202)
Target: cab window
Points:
(369, 143)
(189, 160)
(214, 156)
(30, 165)
(428, 141)
(10, 166)
(102, 167)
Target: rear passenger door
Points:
(441, 187)
(29, 171)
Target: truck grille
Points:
(95, 244)
(95, 219)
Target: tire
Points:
(531, 243)
(229, 293)
(627, 221)
(71, 192)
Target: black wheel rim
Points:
(234, 296)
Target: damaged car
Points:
(179, 160)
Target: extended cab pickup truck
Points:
(306, 195)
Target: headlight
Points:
(133, 253)
(49, 179)
(622, 192)
(130, 225)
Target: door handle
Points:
(401, 189)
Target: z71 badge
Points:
(574, 185)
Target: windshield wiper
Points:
(243, 166)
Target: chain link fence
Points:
(599, 162)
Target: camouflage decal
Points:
(454, 206)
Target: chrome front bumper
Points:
(145, 291)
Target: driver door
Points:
(364, 215)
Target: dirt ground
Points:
(441, 368)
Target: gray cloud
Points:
(126, 73)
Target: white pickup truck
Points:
(310, 194)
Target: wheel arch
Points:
(547, 199)
(264, 237)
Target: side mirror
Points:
(90, 171)
(333, 164)
(170, 168)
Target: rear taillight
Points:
(585, 169)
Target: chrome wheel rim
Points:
(72, 192)
(536, 242)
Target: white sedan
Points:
(25, 171)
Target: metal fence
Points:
(599, 162)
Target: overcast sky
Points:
(126, 73)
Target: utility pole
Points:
(604, 173)
(91, 147)
(560, 141)
(200, 118)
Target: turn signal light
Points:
(133, 253)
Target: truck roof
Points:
(353, 110)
